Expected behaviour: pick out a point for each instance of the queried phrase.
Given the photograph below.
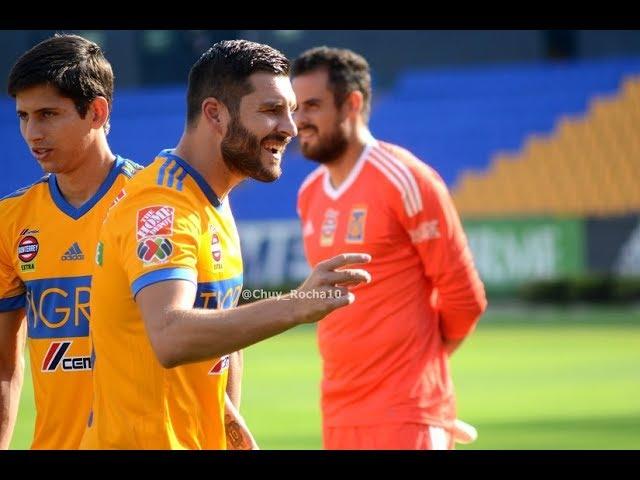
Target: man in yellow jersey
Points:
(63, 89)
(169, 267)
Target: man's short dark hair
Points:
(74, 65)
(223, 72)
(347, 72)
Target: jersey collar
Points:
(78, 212)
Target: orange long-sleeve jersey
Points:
(383, 356)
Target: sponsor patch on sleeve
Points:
(427, 230)
(156, 221)
(154, 251)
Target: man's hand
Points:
(451, 346)
(325, 289)
(463, 432)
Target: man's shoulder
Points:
(156, 179)
(404, 161)
(147, 195)
(25, 197)
(312, 181)
(27, 189)
(406, 177)
(401, 155)
(139, 193)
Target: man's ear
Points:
(216, 114)
(99, 112)
(355, 102)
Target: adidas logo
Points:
(308, 229)
(73, 253)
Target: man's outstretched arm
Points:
(180, 334)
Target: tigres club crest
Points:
(355, 228)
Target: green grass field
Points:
(527, 379)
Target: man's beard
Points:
(241, 151)
(327, 148)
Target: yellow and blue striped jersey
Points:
(46, 257)
(168, 225)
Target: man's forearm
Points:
(234, 379)
(10, 386)
(180, 334)
(12, 340)
(193, 335)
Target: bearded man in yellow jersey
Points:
(169, 271)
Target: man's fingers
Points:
(348, 277)
(341, 298)
(343, 260)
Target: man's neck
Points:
(78, 186)
(201, 156)
(341, 167)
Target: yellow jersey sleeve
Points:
(12, 289)
(157, 238)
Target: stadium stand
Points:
(588, 165)
(494, 133)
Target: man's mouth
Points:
(276, 148)
(306, 132)
(41, 153)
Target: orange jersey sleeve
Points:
(429, 216)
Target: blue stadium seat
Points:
(453, 119)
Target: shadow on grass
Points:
(614, 433)
(525, 315)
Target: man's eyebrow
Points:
(272, 103)
(40, 110)
(278, 103)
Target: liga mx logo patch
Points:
(154, 251)
(154, 224)
(355, 228)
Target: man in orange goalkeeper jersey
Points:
(386, 382)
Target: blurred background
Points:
(537, 134)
